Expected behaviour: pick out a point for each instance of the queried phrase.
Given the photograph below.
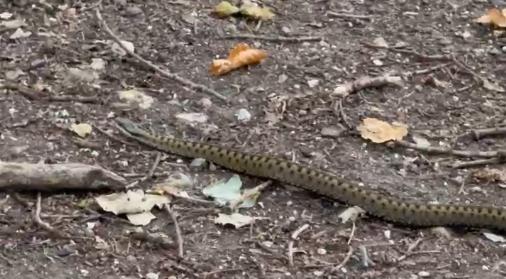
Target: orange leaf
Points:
(494, 17)
(241, 55)
(379, 131)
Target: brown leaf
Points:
(380, 131)
(494, 17)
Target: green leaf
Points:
(224, 192)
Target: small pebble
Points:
(332, 132)
(321, 251)
(133, 11)
(243, 115)
(313, 83)
(424, 274)
(152, 275)
(198, 163)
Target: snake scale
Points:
(375, 204)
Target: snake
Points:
(383, 206)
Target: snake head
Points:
(129, 127)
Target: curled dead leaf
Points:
(241, 55)
(379, 131)
(225, 8)
(494, 17)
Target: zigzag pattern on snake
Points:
(375, 204)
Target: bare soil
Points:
(289, 110)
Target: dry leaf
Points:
(116, 48)
(492, 86)
(193, 117)
(494, 17)
(380, 131)
(351, 214)
(136, 97)
(488, 175)
(19, 33)
(421, 141)
(131, 202)
(236, 219)
(82, 130)
(225, 9)
(13, 24)
(494, 237)
(241, 55)
(380, 42)
(173, 185)
(140, 219)
(256, 12)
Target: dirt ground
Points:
(294, 116)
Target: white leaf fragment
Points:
(350, 214)
(236, 219)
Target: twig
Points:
(192, 199)
(347, 15)
(149, 175)
(421, 56)
(352, 233)
(463, 184)
(338, 109)
(487, 132)
(155, 165)
(426, 70)
(290, 253)
(365, 256)
(294, 236)
(365, 82)
(476, 163)
(298, 231)
(449, 151)
(179, 237)
(411, 247)
(344, 262)
(147, 63)
(248, 194)
(42, 224)
(273, 39)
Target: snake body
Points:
(375, 204)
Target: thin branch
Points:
(477, 163)
(348, 15)
(294, 236)
(345, 260)
(179, 237)
(365, 82)
(487, 132)
(273, 39)
(42, 224)
(186, 82)
(149, 175)
(449, 151)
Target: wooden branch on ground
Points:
(450, 151)
(348, 88)
(273, 39)
(55, 177)
(154, 67)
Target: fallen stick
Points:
(450, 151)
(55, 177)
(149, 64)
(348, 88)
